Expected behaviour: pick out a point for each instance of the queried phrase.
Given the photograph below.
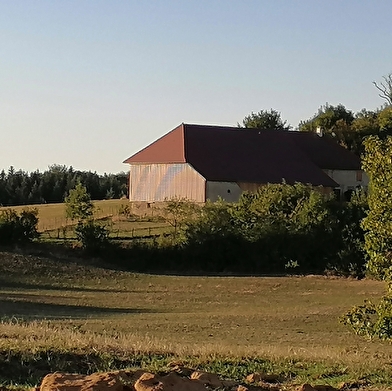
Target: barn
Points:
(202, 162)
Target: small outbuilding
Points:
(201, 162)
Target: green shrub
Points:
(78, 204)
(178, 212)
(349, 238)
(279, 225)
(18, 228)
(93, 236)
(279, 229)
(378, 222)
(372, 320)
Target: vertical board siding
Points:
(159, 182)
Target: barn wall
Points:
(348, 179)
(160, 182)
(229, 191)
(248, 186)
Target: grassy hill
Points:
(53, 224)
(60, 313)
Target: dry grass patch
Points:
(53, 224)
(52, 216)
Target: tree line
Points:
(18, 187)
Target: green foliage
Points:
(92, 235)
(278, 228)
(265, 119)
(290, 224)
(347, 129)
(214, 220)
(335, 122)
(375, 320)
(18, 228)
(210, 238)
(178, 212)
(329, 118)
(351, 254)
(78, 205)
(378, 222)
(385, 120)
(372, 320)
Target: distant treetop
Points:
(264, 119)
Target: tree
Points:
(177, 212)
(378, 222)
(375, 319)
(78, 204)
(264, 119)
(385, 121)
(335, 122)
(385, 88)
(329, 118)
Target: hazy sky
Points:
(88, 83)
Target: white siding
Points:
(160, 182)
(348, 179)
(229, 191)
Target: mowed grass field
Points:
(52, 220)
(68, 306)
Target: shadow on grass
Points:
(22, 306)
(24, 285)
(218, 256)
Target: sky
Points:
(88, 83)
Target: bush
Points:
(279, 225)
(93, 236)
(348, 238)
(279, 228)
(375, 320)
(18, 228)
(78, 204)
(372, 320)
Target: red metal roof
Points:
(167, 149)
(247, 155)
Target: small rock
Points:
(71, 382)
(170, 382)
(253, 378)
